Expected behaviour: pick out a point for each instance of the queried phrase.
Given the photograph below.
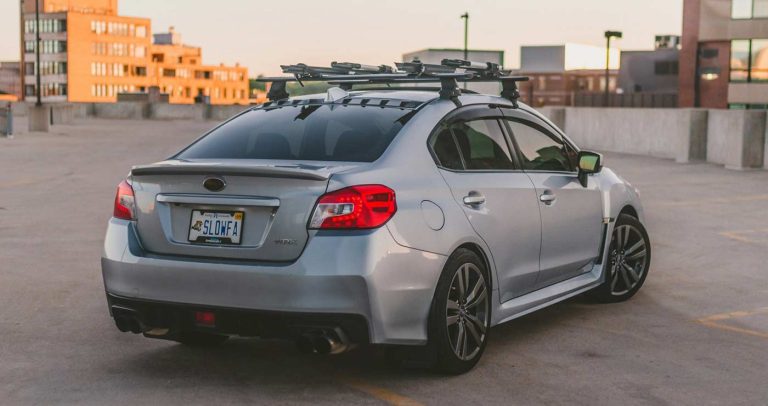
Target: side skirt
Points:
(558, 292)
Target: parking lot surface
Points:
(696, 334)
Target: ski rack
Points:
(448, 74)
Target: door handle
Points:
(548, 197)
(474, 199)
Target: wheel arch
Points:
(483, 256)
(629, 210)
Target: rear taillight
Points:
(124, 201)
(355, 207)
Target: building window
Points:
(666, 68)
(46, 25)
(749, 60)
(746, 9)
(46, 46)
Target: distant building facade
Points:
(724, 54)
(10, 81)
(90, 54)
(654, 71)
(436, 56)
(559, 73)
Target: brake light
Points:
(124, 202)
(355, 207)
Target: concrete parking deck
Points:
(697, 333)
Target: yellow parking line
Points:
(382, 394)
(739, 235)
(714, 322)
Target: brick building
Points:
(90, 54)
(724, 55)
(559, 73)
(10, 81)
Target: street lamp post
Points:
(465, 16)
(37, 53)
(608, 36)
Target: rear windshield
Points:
(311, 132)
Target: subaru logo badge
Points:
(214, 184)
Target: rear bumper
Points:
(176, 317)
(365, 274)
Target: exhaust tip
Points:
(324, 342)
(122, 324)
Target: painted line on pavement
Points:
(382, 394)
(714, 321)
(743, 235)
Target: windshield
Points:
(311, 132)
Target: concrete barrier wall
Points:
(221, 113)
(664, 133)
(736, 138)
(162, 111)
(122, 110)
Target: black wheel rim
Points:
(466, 311)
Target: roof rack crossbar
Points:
(448, 73)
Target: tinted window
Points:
(540, 151)
(445, 150)
(314, 133)
(482, 145)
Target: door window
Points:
(482, 145)
(540, 151)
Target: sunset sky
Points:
(263, 34)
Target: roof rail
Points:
(448, 73)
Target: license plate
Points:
(216, 227)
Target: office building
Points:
(89, 53)
(724, 55)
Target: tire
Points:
(200, 339)
(629, 259)
(460, 316)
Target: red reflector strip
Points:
(207, 319)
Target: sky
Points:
(263, 34)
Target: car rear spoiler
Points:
(196, 168)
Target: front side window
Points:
(482, 145)
(309, 132)
(540, 151)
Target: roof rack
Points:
(448, 73)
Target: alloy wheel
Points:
(467, 312)
(629, 256)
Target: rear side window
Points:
(482, 145)
(311, 132)
(446, 151)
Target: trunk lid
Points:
(275, 198)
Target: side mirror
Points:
(589, 162)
